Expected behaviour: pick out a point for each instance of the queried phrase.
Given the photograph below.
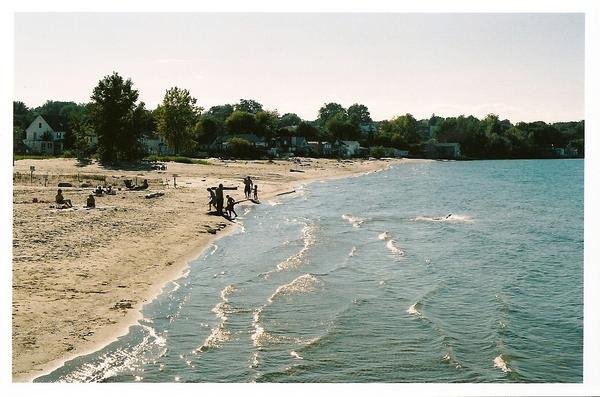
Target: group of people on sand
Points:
(100, 191)
(217, 201)
(249, 186)
(63, 203)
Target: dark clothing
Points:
(230, 204)
(219, 195)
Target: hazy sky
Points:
(520, 66)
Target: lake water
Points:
(433, 272)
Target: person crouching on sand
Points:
(60, 200)
(230, 205)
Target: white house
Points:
(46, 135)
(349, 148)
(157, 146)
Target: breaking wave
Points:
(220, 334)
(450, 218)
(308, 236)
(384, 236)
(391, 246)
(355, 221)
(499, 362)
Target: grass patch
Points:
(36, 156)
(177, 159)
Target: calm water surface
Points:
(435, 272)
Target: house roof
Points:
(57, 123)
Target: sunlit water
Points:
(436, 272)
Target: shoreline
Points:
(185, 255)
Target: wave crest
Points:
(356, 221)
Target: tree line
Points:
(118, 120)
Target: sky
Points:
(523, 67)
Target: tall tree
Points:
(288, 120)
(339, 127)
(266, 123)
(249, 106)
(176, 119)
(307, 130)
(358, 114)
(240, 123)
(328, 111)
(113, 106)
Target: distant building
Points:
(319, 148)
(349, 148)
(45, 135)
(157, 145)
(295, 145)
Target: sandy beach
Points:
(80, 276)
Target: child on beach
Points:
(255, 192)
(60, 200)
(229, 207)
(213, 199)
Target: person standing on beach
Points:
(255, 192)
(247, 186)
(219, 196)
(213, 199)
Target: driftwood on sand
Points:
(281, 194)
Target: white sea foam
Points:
(391, 246)
(301, 284)
(415, 309)
(111, 363)
(308, 235)
(296, 355)
(450, 218)
(220, 334)
(352, 251)
(384, 236)
(273, 203)
(355, 221)
(500, 363)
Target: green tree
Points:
(266, 123)
(114, 103)
(377, 152)
(249, 106)
(358, 114)
(240, 148)
(176, 118)
(240, 123)
(288, 120)
(328, 111)
(307, 130)
(206, 130)
(339, 127)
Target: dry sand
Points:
(80, 276)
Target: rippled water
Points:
(436, 272)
